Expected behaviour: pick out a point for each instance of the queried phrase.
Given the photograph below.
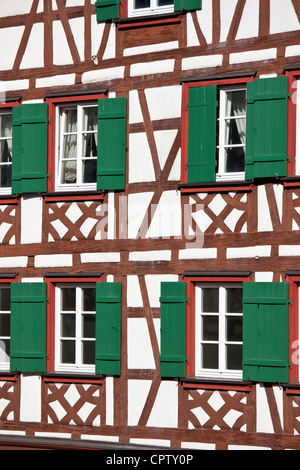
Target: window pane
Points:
(210, 302)
(234, 356)
(5, 324)
(236, 103)
(141, 4)
(69, 172)
(5, 176)
(4, 350)
(210, 358)
(90, 171)
(5, 125)
(162, 3)
(5, 299)
(234, 300)
(88, 326)
(90, 119)
(235, 131)
(210, 328)
(89, 299)
(234, 159)
(68, 299)
(88, 352)
(234, 328)
(68, 352)
(89, 145)
(68, 325)
(70, 120)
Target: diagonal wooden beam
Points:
(67, 28)
(26, 34)
(236, 20)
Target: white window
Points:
(219, 317)
(231, 131)
(4, 327)
(75, 328)
(5, 151)
(77, 146)
(149, 7)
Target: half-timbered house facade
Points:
(149, 223)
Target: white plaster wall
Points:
(164, 413)
(34, 52)
(137, 206)
(153, 282)
(135, 113)
(137, 395)
(167, 218)
(31, 219)
(250, 20)
(30, 401)
(52, 261)
(61, 50)
(263, 416)
(149, 68)
(164, 102)
(11, 37)
(157, 47)
(15, 7)
(134, 296)
(140, 159)
(282, 17)
(227, 12)
(139, 349)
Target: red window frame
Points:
(52, 104)
(51, 284)
(185, 126)
(3, 198)
(8, 280)
(294, 286)
(294, 79)
(191, 330)
(150, 21)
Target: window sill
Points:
(292, 389)
(8, 376)
(71, 377)
(291, 181)
(9, 199)
(74, 196)
(219, 186)
(149, 20)
(215, 384)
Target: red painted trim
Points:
(72, 380)
(15, 200)
(149, 22)
(9, 104)
(217, 189)
(51, 282)
(292, 391)
(52, 103)
(216, 386)
(294, 282)
(291, 184)
(9, 378)
(185, 118)
(191, 313)
(74, 197)
(292, 113)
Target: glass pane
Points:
(162, 3)
(88, 352)
(235, 131)
(5, 324)
(141, 4)
(234, 328)
(68, 352)
(89, 171)
(5, 176)
(234, 300)
(89, 326)
(89, 145)
(68, 325)
(234, 356)
(5, 150)
(210, 358)
(4, 350)
(210, 328)
(210, 302)
(70, 146)
(69, 170)
(236, 103)
(5, 125)
(5, 299)
(70, 120)
(89, 299)
(68, 299)
(90, 119)
(234, 159)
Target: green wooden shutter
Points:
(202, 110)
(180, 5)
(265, 332)
(107, 9)
(28, 327)
(266, 128)
(30, 148)
(111, 143)
(108, 328)
(173, 329)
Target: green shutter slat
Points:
(181, 5)
(202, 110)
(265, 332)
(107, 9)
(266, 131)
(108, 328)
(111, 143)
(30, 148)
(28, 327)
(173, 329)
